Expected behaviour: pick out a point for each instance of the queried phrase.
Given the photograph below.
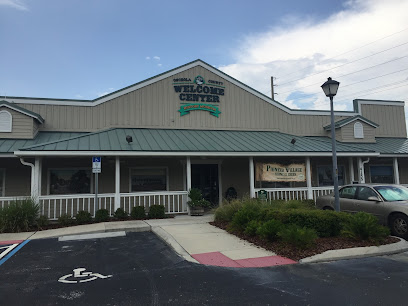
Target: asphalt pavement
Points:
(140, 269)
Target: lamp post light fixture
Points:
(330, 88)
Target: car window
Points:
(365, 192)
(393, 193)
(348, 192)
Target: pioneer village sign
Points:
(281, 173)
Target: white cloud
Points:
(157, 58)
(14, 4)
(159, 65)
(301, 49)
(147, 57)
(105, 92)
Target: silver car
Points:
(389, 203)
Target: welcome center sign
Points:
(281, 173)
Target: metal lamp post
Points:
(330, 90)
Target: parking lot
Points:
(139, 269)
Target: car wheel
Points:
(399, 225)
(328, 208)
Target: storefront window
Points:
(70, 181)
(148, 179)
(382, 174)
(2, 182)
(325, 175)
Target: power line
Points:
(350, 50)
(344, 64)
(347, 74)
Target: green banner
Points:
(185, 109)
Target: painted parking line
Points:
(9, 248)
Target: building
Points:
(193, 126)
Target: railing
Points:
(175, 202)
(53, 206)
(300, 193)
(5, 201)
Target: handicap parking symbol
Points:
(80, 276)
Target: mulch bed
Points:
(322, 244)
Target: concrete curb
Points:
(332, 255)
(170, 241)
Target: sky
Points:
(84, 49)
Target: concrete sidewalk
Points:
(193, 238)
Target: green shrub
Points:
(102, 215)
(252, 209)
(300, 237)
(293, 204)
(325, 223)
(121, 214)
(252, 227)
(157, 212)
(42, 221)
(196, 199)
(227, 210)
(364, 226)
(19, 216)
(83, 217)
(65, 220)
(269, 230)
(138, 212)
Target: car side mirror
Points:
(375, 199)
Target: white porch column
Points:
(361, 175)
(351, 170)
(188, 174)
(117, 183)
(396, 172)
(251, 178)
(35, 180)
(309, 180)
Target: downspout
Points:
(33, 182)
(362, 173)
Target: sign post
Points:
(96, 168)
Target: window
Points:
(382, 174)
(348, 192)
(325, 175)
(148, 179)
(5, 121)
(358, 130)
(365, 192)
(69, 181)
(2, 182)
(393, 193)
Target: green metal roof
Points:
(167, 140)
(11, 145)
(345, 121)
(383, 145)
(22, 110)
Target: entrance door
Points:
(205, 178)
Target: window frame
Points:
(166, 168)
(331, 166)
(79, 168)
(358, 134)
(3, 191)
(9, 129)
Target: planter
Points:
(196, 211)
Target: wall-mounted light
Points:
(129, 139)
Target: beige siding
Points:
(157, 105)
(22, 125)
(391, 119)
(347, 133)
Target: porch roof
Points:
(187, 141)
(383, 145)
